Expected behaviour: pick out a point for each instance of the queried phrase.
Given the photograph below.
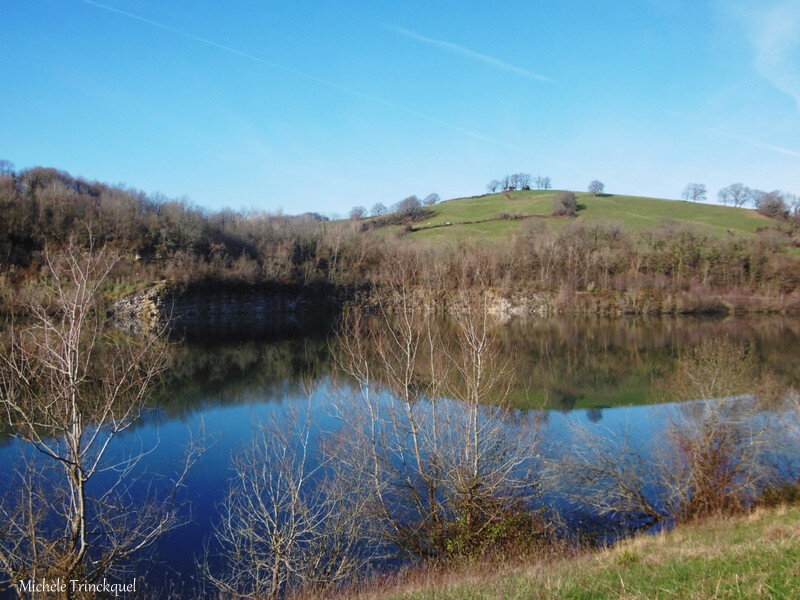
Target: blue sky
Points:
(324, 105)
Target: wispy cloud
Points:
(333, 85)
(775, 33)
(757, 143)
(455, 48)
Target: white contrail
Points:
(756, 143)
(489, 60)
(773, 28)
(776, 37)
(331, 84)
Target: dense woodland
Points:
(163, 238)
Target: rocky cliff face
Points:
(243, 310)
(140, 311)
(218, 309)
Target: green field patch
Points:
(497, 216)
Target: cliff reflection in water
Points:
(559, 363)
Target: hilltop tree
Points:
(794, 204)
(517, 181)
(378, 209)
(772, 204)
(694, 192)
(408, 206)
(735, 194)
(431, 199)
(596, 187)
(358, 212)
(754, 197)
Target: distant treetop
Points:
(518, 181)
(596, 187)
(694, 192)
(431, 199)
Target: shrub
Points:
(565, 204)
(772, 205)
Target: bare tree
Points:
(735, 194)
(408, 206)
(443, 473)
(542, 183)
(291, 521)
(716, 442)
(524, 181)
(607, 476)
(358, 212)
(69, 387)
(709, 459)
(596, 187)
(715, 459)
(492, 186)
(754, 197)
(565, 204)
(793, 200)
(694, 192)
(772, 204)
(378, 209)
(431, 199)
(6, 168)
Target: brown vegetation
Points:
(711, 459)
(161, 238)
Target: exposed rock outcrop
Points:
(221, 308)
(231, 308)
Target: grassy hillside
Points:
(754, 556)
(634, 212)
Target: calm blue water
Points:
(224, 391)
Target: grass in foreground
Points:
(753, 556)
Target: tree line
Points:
(407, 206)
(164, 238)
(519, 181)
(772, 204)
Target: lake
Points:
(605, 375)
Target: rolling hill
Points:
(481, 217)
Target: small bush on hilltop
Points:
(565, 204)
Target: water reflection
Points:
(236, 372)
(604, 375)
(563, 364)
